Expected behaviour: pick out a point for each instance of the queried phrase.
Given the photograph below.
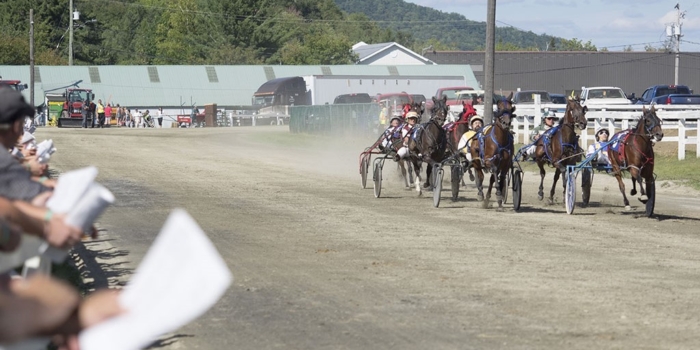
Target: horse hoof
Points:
(633, 192)
(628, 208)
(643, 199)
(550, 201)
(480, 197)
(471, 177)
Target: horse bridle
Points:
(650, 116)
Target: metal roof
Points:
(174, 86)
(364, 51)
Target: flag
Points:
(678, 7)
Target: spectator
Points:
(128, 117)
(120, 115)
(100, 114)
(138, 118)
(85, 111)
(91, 114)
(108, 115)
(160, 117)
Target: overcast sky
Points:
(613, 23)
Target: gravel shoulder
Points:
(320, 263)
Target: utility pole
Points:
(70, 36)
(489, 61)
(31, 57)
(674, 31)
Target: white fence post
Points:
(681, 139)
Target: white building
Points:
(388, 54)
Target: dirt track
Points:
(320, 263)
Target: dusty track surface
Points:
(321, 263)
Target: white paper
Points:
(44, 150)
(94, 201)
(179, 279)
(70, 187)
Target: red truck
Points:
(450, 92)
(15, 84)
(73, 104)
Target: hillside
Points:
(444, 30)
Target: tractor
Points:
(74, 100)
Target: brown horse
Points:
(494, 152)
(559, 145)
(427, 142)
(636, 154)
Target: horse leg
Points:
(417, 166)
(410, 174)
(479, 184)
(618, 176)
(402, 166)
(540, 193)
(557, 172)
(428, 171)
(500, 184)
(643, 198)
(634, 174)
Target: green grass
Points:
(686, 172)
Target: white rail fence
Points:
(682, 118)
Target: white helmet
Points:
(599, 130)
(475, 118)
(549, 114)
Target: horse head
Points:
(505, 111)
(439, 111)
(652, 123)
(575, 113)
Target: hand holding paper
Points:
(179, 279)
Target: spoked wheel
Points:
(456, 180)
(651, 195)
(437, 186)
(377, 177)
(570, 198)
(364, 169)
(517, 189)
(586, 182)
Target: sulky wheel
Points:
(570, 198)
(438, 173)
(517, 189)
(377, 177)
(364, 169)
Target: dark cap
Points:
(13, 106)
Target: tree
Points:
(576, 45)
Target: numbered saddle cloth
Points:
(617, 144)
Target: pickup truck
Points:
(603, 95)
(669, 95)
(450, 92)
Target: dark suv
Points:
(525, 97)
(353, 98)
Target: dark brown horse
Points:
(494, 152)
(636, 154)
(559, 145)
(428, 142)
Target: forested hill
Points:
(448, 30)
(178, 32)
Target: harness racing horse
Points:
(428, 142)
(494, 152)
(635, 153)
(558, 146)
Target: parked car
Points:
(528, 97)
(559, 99)
(353, 98)
(603, 95)
(669, 94)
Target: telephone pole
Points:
(489, 61)
(674, 31)
(31, 57)
(70, 36)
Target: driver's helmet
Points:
(476, 117)
(396, 118)
(412, 115)
(597, 133)
(550, 114)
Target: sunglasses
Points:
(603, 132)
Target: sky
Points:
(612, 24)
